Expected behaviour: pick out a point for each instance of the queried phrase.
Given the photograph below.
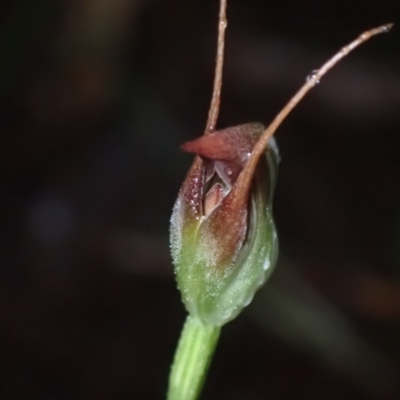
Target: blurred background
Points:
(95, 99)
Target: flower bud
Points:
(223, 238)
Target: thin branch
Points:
(312, 80)
(216, 96)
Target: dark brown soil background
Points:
(95, 99)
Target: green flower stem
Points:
(192, 359)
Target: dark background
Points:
(95, 99)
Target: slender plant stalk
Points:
(313, 79)
(192, 359)
(216, 96)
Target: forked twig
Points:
(216, 96)
(311, 81)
